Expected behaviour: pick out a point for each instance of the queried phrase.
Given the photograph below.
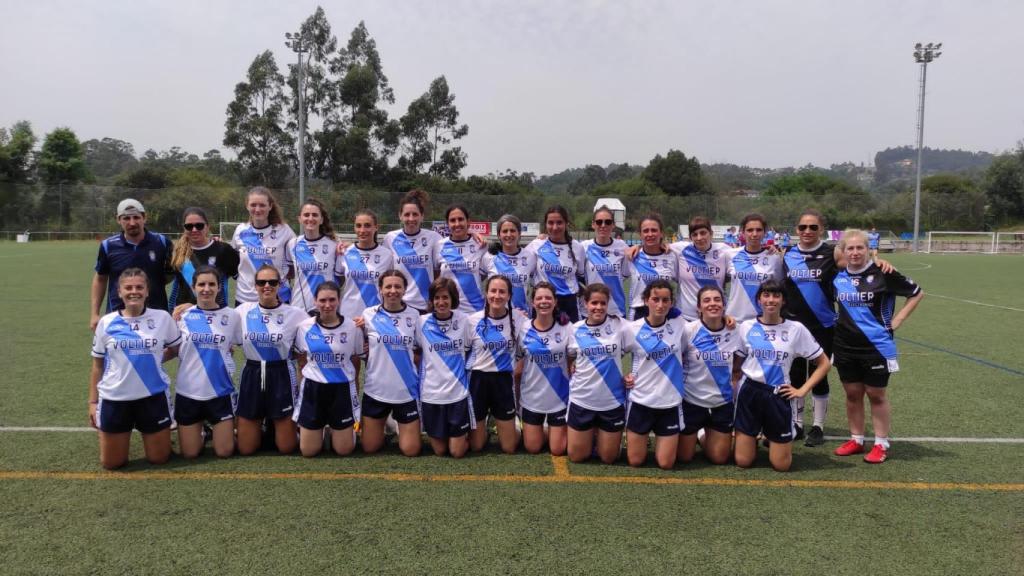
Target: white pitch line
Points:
(923, 267)
(46, 429)
(975, 302)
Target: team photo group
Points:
(557, 344)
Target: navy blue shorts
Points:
(583, 419)
(492, 392)
(641, 419)
(446, 420)
(273, 398)
(759, 409)
(188, 411)
(538, 418)
(872, 372)
(333, 405)
(147, 415)
(718, 418)
(803, 368)
(404, 413)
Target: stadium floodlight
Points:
(297, 42)
(922, 55)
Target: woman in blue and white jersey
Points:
(653, 262)
(413, 248)
(311, 256)
(702, 262)
(712, 369)
(392, 383)
(127, 384)
(204, 391)
(607, 260)
(492, 362)
(657, 379)
(764, 403)
(460, 257)
(749, 267)
(266, 390)
(361, 266)
(560, 261)
(512, 261)
(445, 339)
(597, 394)
(328, 347)
(544, 369)
(260, 241)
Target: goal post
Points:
(1010, 242)
(953, 241)
(227, 230)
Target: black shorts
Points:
(802, 368)
(446, 420)
(492, 392)
(147, 415)
(538, 418)
(642, 419)
(872, 372)
(570, 305)
(403, 413)
(759, 409)
(584, 419)
(719, 418)
(321, 404)
(188, 411)
(270, 397)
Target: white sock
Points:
(820, 410)
(858, 438)
(882, 441)
(798, 412)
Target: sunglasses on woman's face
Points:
(805, 227)
(604, 222)
(197, 226)
(263, 282)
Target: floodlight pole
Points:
(922, 55)
(296, 43)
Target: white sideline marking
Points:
(923, 266)
(46, 429)
(975, 302)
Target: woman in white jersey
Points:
(413, 249)
(204, 391)
(361, 265)
(492, 362)
(657, 379)
(608, 262)
(445, 339)
(460, 257)
(266, 390)
(260, 241)
(653, 262)
(311, 256)
(512, 261)
(392, 383)
(597, 395)
(328, 348)
(749, 267)
(127, 384)
(544, 369)
(764, 402)
(701, 263)
(712, 369)
(560, 260)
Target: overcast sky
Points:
(547, 85)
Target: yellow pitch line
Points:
(561, 465)
(523, 479)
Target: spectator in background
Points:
(873, 238)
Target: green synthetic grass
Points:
(374, 525)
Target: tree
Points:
(255, 127)
(432, 122)
(676, 174)
(593, 176)
(319, 44)
(1004, 187)
(109, 157)
(62, 158)
(810, 182)
(16, 152)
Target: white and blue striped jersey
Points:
(520, 269)
(462, 261)
(313, 262)
(699, 269)
(268, 333)
(657, 361)
(648, 268)
(206, 363)
(544, 387)
(561, 264)
(596, 383)
(746, 272)
(609, 265)
(414, 256)
(494, 343)
(708, 364)
(256, 247)
(329, 351)
(132, 350)
(769, 349)
(361, 270)
(444, 345)
(391, 372)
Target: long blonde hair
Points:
(182, 247)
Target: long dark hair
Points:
(275, 214)
(561, 211)
(325, 221)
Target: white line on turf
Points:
(922, 266)
(934, 295)
(46, 429)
